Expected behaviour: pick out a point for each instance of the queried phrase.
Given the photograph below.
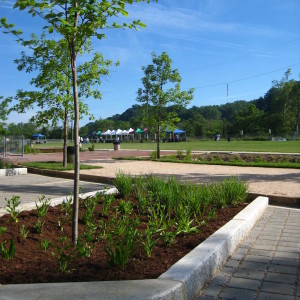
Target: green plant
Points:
(9, 252)
(142, 201)
(92, 148)
(38, 227)
(42, 206)
(167, 237)
(107, 201)
(84, 246)
(90, 204)
(157, 218)
(24, 232)
(149, 241)
(12, 207)
(125, 207)
(28, 149)
(63, 254)
(45, 245)
(153, 155)
(124, 184)
(179, 154)
(123, 239)
(66, 206)
(2, 230)
(235, 191)
(188, 155)
(211, 213)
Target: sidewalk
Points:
(266, 265)
(30, 187)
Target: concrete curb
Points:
(68, 175)
(13, 171)
(60, 200)
(182, 281)
(201, 264)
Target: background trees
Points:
(161, 88)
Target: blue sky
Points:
(247, 43)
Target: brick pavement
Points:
(266, 265)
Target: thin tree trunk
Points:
(76, 142)
(158, 136)
(65, 138)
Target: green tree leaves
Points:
(161, 88)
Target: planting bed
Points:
(113, 231)
(32, 265)
(249, 157)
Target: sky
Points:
(243, 43)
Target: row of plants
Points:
(147, 212)
(258, 160)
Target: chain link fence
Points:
(11, 146)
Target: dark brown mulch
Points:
(32, 265)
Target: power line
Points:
(246, 78)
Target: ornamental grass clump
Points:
(124, 184)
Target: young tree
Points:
(76, 21)
(161, 89)
(53, 84)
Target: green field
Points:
(198, 145)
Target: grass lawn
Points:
(57, 166)
(198, 145)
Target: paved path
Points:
(30, 187)
(266, 265)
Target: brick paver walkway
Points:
(266, 265)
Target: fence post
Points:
(4, 149)
(22, 145)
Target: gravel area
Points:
(264, 181)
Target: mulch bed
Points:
(33, 265)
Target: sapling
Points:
(9, 252)
(45, 245)
(150, 241)
(24, 232)
(12, 207)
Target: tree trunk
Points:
(158, 144)
(65, 138)
(76, 144)
(158, 136)
(76, 129)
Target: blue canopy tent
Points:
(177, 133)
(38, 137)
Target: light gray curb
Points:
(13, 171)
(200, 265)
(181, 281)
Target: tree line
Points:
(276, 114)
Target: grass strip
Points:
(57, 166)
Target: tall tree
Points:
(161, 89)
(76, 21)
(283, 109)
